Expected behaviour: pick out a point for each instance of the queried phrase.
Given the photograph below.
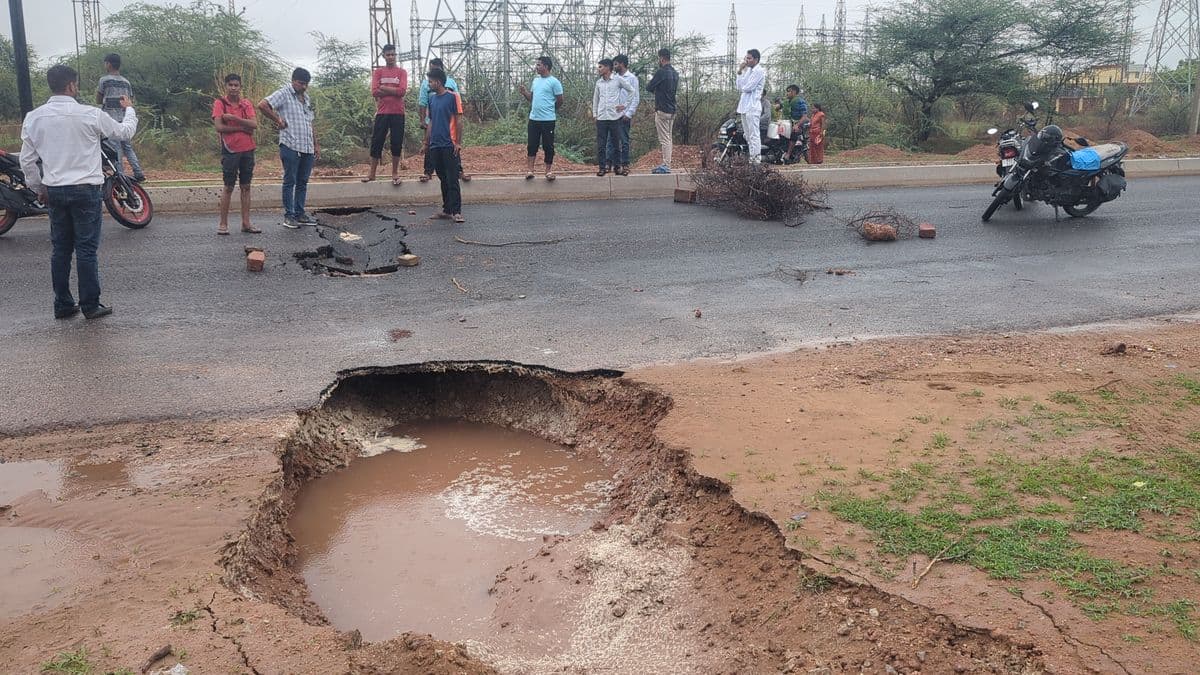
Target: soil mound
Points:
(984, 152)
(1144, 143)
(874, 151)
(682, 157)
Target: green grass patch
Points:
(70, 663)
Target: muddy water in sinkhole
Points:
(412, 538)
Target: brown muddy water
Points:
(411, 536)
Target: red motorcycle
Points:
(125, 199)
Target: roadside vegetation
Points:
(933, 80)
(1025, 495)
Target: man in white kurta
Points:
(751, 80)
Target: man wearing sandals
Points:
(234, 118)
(545, 97)
(606, 110)
(443, 143)
(389, 83)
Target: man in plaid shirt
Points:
(290, 108)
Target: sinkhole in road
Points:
(432, 512)
(360, 241)
(534, 516)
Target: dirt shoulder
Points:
(861, 462)
(1057, 485)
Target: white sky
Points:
(287, 23)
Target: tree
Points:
(339, 61)
(930, 49)
(177, 55)
(10, 104)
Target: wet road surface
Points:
(195, 334)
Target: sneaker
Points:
(306, 220)
(139, 178)
(100, 311)
(66, 313)
(290, 223)
(660, 169)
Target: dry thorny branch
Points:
(874, 222)
(758, 191)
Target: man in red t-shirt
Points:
(389, 83)
(234, 118)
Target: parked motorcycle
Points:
(125, 199)
(731, 142)
(1045, 169)
(1008, 145)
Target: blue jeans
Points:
(75, 228)
(620, 156)
(125, 149)
(297, 167)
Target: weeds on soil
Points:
(1016, 516)
(758, 192)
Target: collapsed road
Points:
(622, 289)
(356, 245)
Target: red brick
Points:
(255, 261)
(926, 231)
(685, 196)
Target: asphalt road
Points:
(195, 334)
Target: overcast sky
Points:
(762, 23)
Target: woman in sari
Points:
(816, 135)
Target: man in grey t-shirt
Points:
(109, 91)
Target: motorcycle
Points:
(1045, 169)
(731, 142)
(125, 199)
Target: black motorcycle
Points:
(731, 142)
(124, 198)
(1078, 180)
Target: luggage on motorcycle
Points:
(1110, 186)
(785, 128)
(1085, 159)
(772, 130)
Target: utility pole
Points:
(1194, 113)
(16, 13)
(731, 39)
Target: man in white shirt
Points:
(630, 100)
(65, 136)
(606, 110)
(751, 80)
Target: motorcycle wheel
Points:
(1002, 197)
(134, 210)
(7, 220)
(1081, 210)
(1017, 202)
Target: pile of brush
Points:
(758, 191)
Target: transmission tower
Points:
(491, 49)
(839, 35)
(232, 7)
(383, 31)
(87, 18)
(1176, 37)
(800, 27)
(731, 46)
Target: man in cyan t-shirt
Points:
(443, 143)
(109, 91)
(388, 85)
(545, 97)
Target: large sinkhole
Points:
(534, 517)
(432, 512)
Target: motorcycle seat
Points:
(9, 161)
(1109, 150)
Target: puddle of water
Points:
(84, 478)
(18, 479)
(40, 568)
(412, 540)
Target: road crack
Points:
(1074, 641)
(233, 640)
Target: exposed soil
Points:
(684, 573)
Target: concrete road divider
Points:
(510, 189)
